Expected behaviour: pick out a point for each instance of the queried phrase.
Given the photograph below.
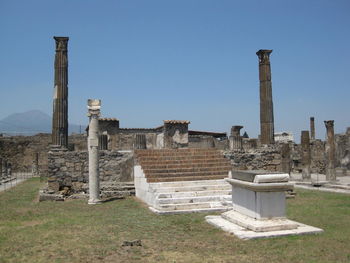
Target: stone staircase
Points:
(182, 180)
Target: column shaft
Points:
(60, 97)
(266, 103)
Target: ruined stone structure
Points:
(306, 154)
(236, 138)
(342, 154)
(312, 128)
(330, 151)
(175, 134)
(266, 103)
(286, 163)
(60, 97)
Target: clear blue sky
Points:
(195, 60)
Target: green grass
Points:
(73, 231)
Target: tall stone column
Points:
(60, 96)
(266, 104)
(330, 151)
(306, 155)
(312, 128)
(235, 138)
(94, 107)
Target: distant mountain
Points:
(29, 123)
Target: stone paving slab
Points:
(245, 234)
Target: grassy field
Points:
(73, 231)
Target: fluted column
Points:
(330, 151)
(312, 128)
(60, 96)
(306, 155)
(94, 180)
(266, 104)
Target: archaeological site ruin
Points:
(174, 169)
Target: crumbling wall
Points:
(342, 149)
(126, 140)
(267, 158)
(20, 150)
(69, 170)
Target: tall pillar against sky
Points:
(330, 151)
(266, 104)
(60, 95)
(312, 128)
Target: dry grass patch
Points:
(76, 232)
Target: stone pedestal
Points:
(259, 207)
(94, 180)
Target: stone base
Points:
(261, 225)
(244, 233)
(94, 201)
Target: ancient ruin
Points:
(266, 104)
(174, 169)
(60, 96)
(330, 151)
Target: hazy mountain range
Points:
(31, 122)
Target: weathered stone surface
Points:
(113, 165)
(266, 103)
(268, 158)
(330, 151)
(60, 97)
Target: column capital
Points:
(61, 43)
(264, 56)
(94, 106)
(329, 124)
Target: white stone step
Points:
(194, 200)
(188, 183)
(193, 188)
(190, 206)
(200, 210)
(193, 194)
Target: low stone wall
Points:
(268, 159)
(69, 170)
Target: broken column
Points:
(94, 107)
(175, 134)
(330, 151)
(266, 103)
(60, 96)
(235, 138)
(286, 159)
(312, 128)
(306, 155)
